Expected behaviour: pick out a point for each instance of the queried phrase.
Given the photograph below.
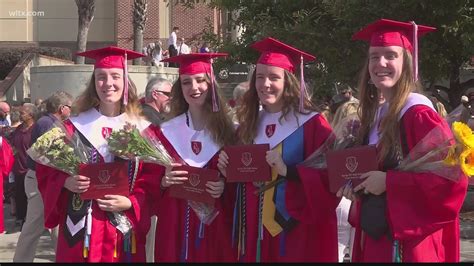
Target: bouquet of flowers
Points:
(443, 155)
(59, 150)
(128, 143)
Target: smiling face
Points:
(270, 84)
(195, 89)
(109, 84)
(385, 66)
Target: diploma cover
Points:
(349, 164)
(105, 179)
(195, 187)
(247, 163)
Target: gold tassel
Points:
(85, 253)
(115, 246)
(134, 243)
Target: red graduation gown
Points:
(422, 208)
(308, 200)
(104, 235)
(216, 244)
(6, 164)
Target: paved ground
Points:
(467, 236)
(45, 252)
(467, 250)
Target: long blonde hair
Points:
(390, 124)
(219, 123)
(247, 113)
(89, 99)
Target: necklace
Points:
(194, 126)
(187, 118)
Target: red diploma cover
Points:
(247, 163)
(106, 179)
(349, 164)
(195, 187)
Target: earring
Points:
(372, 92)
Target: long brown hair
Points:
(219, 124)
(89, 99)
(390, 124)
(247, 113)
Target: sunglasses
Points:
(166, 93)
(67, 106)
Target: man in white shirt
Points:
(172, 45)
(183, 47)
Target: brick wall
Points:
(124, 27)
(152, 27)
(192, 22)
(124, 20)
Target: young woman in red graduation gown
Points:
(101, 110)
(400, 216)
(303, 227)
(193, 137)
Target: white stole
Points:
(97, 127)
(196, 148)
(271, 131)
(412, 100)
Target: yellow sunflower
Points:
(463, 134)
(467, 162)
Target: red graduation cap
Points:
(196, 63)
(113, 57)
(385, 32)
(276, 53)
(279, 54)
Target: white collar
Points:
(412, 100)
(271, 131)
(196, 148)
(97, 127)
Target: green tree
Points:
(325, 27)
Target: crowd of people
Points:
(155, 52)
(391, 216)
